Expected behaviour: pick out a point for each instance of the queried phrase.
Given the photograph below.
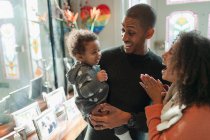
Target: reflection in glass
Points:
(34, 35)
(7, 33)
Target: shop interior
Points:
(36, 99)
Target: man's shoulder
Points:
(110, 54)
(113, 50)
(155, 57)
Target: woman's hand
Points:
(154, 88)
(114, 118)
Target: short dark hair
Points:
(77, 39)
(192, 62)
(144, 13)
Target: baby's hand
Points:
(102, 76)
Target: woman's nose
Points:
(164, 55)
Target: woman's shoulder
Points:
(195, 123)
(195, 115)
(198, 111)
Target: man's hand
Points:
(114, 118)
(98, 111)
(102, 76)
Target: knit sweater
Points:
(89, 91)
(194, 124)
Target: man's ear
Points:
(150, 33)
(79, 57)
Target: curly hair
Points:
(77, 39)
(192, 62)
(144, 13)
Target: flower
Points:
(94, 13)
(69, 17)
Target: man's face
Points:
(133, 36)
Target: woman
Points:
(185, 111)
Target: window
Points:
(11, 67)
(8, 42)
(34, 35)
(179, 21)
(134, 2)
(7, 8)
(184, 1)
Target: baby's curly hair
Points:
(77, 39)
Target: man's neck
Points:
(142, 51)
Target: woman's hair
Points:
(77, 39)
(144, 13)
(192, 62)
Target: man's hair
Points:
(144, 13)
(77, 39)
(192, 62)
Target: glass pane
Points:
(184, 1)
(179, 21)
(14, 56)
(7, 8)
(34, 36)
(145, 1)
(25, 46)
(11, 66)
(134, 2)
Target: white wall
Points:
(201, 9)
(111, 35)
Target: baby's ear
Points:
(79, 57)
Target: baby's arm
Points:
(102, 76)
(90, 85)
(92, 90)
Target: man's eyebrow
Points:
(129, 26)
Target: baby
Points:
(86, 76)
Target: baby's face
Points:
(92, 53)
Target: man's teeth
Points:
(127, 45)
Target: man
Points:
(124, 64)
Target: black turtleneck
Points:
(125, 91)
(124, 76)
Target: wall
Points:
(111, 35)
(201, 9)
